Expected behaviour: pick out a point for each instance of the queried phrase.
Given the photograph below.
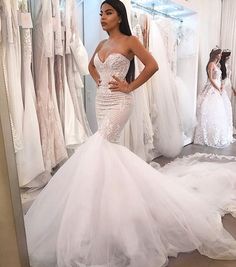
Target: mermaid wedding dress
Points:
(105, 207)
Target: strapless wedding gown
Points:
(214, 115)
(105, 207)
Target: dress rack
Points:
(153, 11)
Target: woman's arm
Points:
(150, 64)
(92, 69)
(210, 76)
(150, 67)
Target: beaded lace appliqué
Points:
(113, 108)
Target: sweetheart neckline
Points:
(115, 53)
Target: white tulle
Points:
(165, 111)
(106, 207)
(204, 176)
(137, 134)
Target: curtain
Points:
(228, 33)
(209, 34)
(228, 40)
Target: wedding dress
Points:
(165, 110)
(16, 61)
(11, 60)
(107, 207)
(30, 165)
(214, 115)
(52, 138)
(187, 116)
(137, 134)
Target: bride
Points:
(214, 112)
(107, 207)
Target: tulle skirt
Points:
(107, 207)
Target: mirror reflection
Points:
(122, 116)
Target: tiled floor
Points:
(195, 259)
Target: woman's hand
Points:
(119, 85)
(98, 82)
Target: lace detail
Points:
(113, 109)
(216, 75)
(214, 115)
(27, 48)
(210, 157)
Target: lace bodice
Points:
(113, 109)
(115, 64)
(216, 76)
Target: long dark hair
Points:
(214, 52)
(225, 55)
(124, 28)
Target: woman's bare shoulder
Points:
(101, 44)
(132, 39)
(211, 65)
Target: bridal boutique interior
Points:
(47, 107)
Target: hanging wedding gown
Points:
(107, 207)
(214, 115)
(170, 31)
(16, 60)
(137, 134)
(52, 139)
(165, 111)
(30, 165)
(187, 117)
(76, 65)
(11, 60)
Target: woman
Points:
(121, 211)
(214, 112)
(226, 73)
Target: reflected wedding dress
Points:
(106, 207)
(214, 115)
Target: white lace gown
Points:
(30, 159)
(52, 139)
(214, 116)
(107, 207)
(137, 134)
(11, 61)
(165, 109)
